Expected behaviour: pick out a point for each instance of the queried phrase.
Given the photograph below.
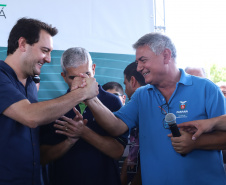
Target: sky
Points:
(198, 30)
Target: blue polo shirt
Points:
(194, 98)
(19, 144)
(84, 164)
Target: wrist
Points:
(70, 141)
(85, 134)
(195, 144)
(218, 123)
(90, 101)
(213, 123)
(78, 94)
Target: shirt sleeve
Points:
(123, 139)
(10, 92)
(215, 102)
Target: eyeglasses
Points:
(164, 110)
(117, 94)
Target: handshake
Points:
(87, 85)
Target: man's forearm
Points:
(105, 144)
(53, 109)
(35, 114)
(211, 141)
(105, 118)
(50, 153)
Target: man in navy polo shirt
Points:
(29, 48)
(88, 157)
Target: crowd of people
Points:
(78, 138)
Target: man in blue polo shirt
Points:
(169, 90)
(29, 47)
(87, 158)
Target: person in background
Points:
(196, 71)
(169, 90)
(90, 157)
(222, 86)
(116, 89)
(29, 48)
(130, 172)
(132, 79)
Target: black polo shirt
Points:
(83, 164)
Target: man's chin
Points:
(147, 81)
(37, 72)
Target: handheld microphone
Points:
(170, 119)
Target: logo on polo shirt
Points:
(182, 105)
(182, 112)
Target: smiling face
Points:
(37, 55)
(73, 72)
(150, 65)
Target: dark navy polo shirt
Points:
(19, 144)
(83, 164)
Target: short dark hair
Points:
(113, 85)
(30, 30)
(131, 70)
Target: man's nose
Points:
(48, 58)
(139, 67)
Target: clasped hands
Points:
(74, 128)
(88, 84)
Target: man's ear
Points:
(124, 99)
(63, 75)
(133, 81)
(22, 44)
(166, 55)
(93, 68)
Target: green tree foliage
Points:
(217, 73)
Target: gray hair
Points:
(221, 83)
(74, 57)
(157, 43)
(196, 71)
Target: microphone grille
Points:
(170, 118)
